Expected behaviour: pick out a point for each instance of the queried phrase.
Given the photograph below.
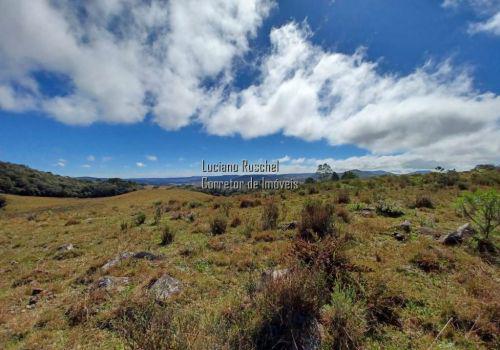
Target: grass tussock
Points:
(316, 220)
(270, 215)
(218, 225)
(167, 235)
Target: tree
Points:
(309, 180)
(483, 209)
(349, 175)
(335, 176)
(324, 172)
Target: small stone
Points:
(66, 247)
(399, 236)
(405, 226)
(110, 282)
(457, 237)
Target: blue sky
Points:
(395, 85)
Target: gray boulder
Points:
(164, 287)
(129, 255)
(110, 282)
(459, 235)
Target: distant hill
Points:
(196, 180)
(22, 180)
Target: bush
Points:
(123, 226)
(343, 197)
(309, 180)
(423, 201)
(3, 201)
(270, 215)
(287, 310)
(390, 209)
(248, 203)
(167, 235)
(327, 256)
(483, 209)
(194, 204)
(139, 219)
(218, 225)
(344, 320)
(316, 220)
(343, 214)
(312, 190)
(349, 175)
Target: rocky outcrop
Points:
(459, 235)
(129, 255)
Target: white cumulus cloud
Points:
(152, 158)
(140, 165)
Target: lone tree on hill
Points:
(324, 172)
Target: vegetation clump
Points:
(483, 209)
(343, 197)
(139, 219)
(270, 215)
(423, 201)
(316, 220)
(167, 235)
(344, 320)
(218, 225)
(3, 201)
(389, 209)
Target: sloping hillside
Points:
(22, 180)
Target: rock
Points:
(400, 236)
(367, 212)
(164, 287)
(272, 275)
(289, 226)
(66, 247)
(176, 216)
(405, 226)
(116, 260)
(128, 255)
(110, 282)
(457, 237)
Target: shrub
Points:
(218, 225)
(270, 215)
(139, 219)
(235, 222)
(158, 214)
(309, 180)
(390, 209)
(287, 309)
(327, 256)
(349, 175)
(3, 201)
(167, 235)
(483, 209)
(123, 226)
(343, 197)
(312, 190)
(343, 214)
(423, 201)
(316, 220)
(344, 320)
(72, 222)
(146, 326)
(194, 204)
(248, 203)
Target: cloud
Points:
(61, 163)
(491, 25)
(152, 158)
(140, 165)
(123, 59)
(307, 92)
(86, 166)
(177, 61)
(106, 159)
(488, 9)
(91, 158)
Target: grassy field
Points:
(404, 292)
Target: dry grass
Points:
(405, 291)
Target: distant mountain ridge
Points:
(196, 180)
